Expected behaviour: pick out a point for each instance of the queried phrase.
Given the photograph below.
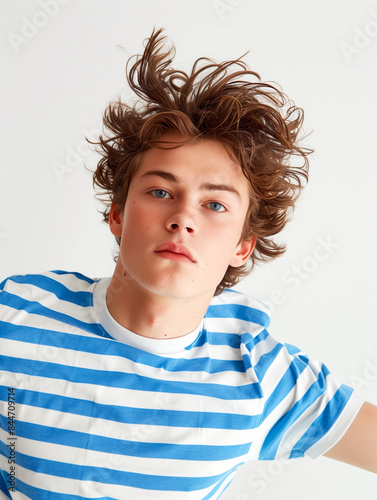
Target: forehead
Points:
(198, 160)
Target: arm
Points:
(358, 446)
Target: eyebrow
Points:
(207, 186)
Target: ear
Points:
(115, 221)
(242, 252)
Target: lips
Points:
(174, 248)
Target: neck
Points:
(151, 315)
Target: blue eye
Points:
(217, 207)
(160, 193)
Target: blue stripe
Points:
(251, 342)
(292, 349)
(273, 439)
(266, 360)
(322, 424)
(78, 275)
(247, 361)
(33, 307)
(116, 477)
(232, 340)
(229, 340)
(199, 341)
(3, 484)
(131, 381)
(168, 451)
(241, 312)
(83, 299)
(2, 285)
(130, 415)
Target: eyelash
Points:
(166, 192)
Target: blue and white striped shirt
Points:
(103, 413)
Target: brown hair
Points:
(254, 120)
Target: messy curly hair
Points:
(255, 121)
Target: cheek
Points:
(223, 235)
(140, 224)
(135, 217)
(222, 243)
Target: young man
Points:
(160, 381)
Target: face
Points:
(183, 219)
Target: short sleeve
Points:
(306, 411)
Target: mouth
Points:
(172, 251)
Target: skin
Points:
(358, 446)
(151, 292)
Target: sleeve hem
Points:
(339, 428)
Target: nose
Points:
(181, 221)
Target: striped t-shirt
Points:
(91, 410)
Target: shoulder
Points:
(233, 312)
(238, 312)
(232, 302)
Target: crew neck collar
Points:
(122, 334)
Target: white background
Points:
(57, 78)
